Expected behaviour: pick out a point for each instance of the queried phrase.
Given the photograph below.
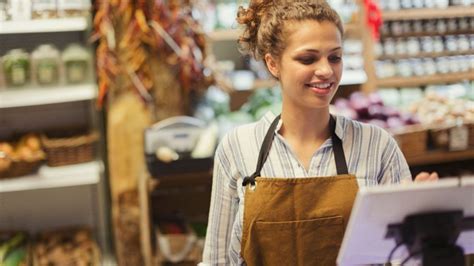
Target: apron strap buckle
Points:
(249, 179)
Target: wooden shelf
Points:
(55, 177)
(44, 25)
(424, 80)
(428, 33)
(430, 55)
(429, 13)
(32, 96)
(434, 157)
(233, 34)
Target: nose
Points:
(323, 69)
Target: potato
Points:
(33, 142)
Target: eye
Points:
(306, 60)
(335, 59)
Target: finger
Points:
(434, 176)
(422, 176)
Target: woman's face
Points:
(310, 67)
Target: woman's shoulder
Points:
(240, 135)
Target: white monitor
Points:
(376, 207)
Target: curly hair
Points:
(264, 20)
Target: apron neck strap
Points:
(339, 157)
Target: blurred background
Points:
(110, 113)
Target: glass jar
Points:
(442, 65)
(401, 46)
(416, 65)
(438, 44)
(404, 68)
(3, 10)
(16, 68)
(429, 66)
(427, 44)
(46, 63)
(463, 42)
(19, 9)
(43, 9)
(413, 46)
(389, 46)
(76, 60)
(451, 43)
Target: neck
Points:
(307, 126)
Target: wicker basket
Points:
(471, 134)
(20, 168)
(69, 150)
(412, 140)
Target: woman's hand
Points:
(424, 177)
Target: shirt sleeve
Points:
(222, 210)
(394, 165)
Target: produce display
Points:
(66, 247)
(371, 109)
(27, 149)
(13, 249)
(436, 110)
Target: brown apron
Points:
(296, 221)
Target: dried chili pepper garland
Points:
(168, 29)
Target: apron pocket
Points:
(304, 242)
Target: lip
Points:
(321, 92)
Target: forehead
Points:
(312, 34)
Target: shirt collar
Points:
(340, 123)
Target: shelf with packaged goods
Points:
(425, 80)
(349, 77)
(427, 33)
(429, 13)
(44, 25)
(55, 177)
(429, 55)
(10, 98)
(233, 34)
(434, 157)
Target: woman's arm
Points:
(222, 209)
(394, 165)
(396, 168)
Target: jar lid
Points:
(75, 52)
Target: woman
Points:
(284, 186)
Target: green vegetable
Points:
(15, 257)
(11, 244)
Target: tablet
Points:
(375, 207)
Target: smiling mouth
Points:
(320, 86)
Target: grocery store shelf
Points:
(233, 34)
(43, 25)
(424, 80)
(349, 77)
(424, 55)
(434, 157)
(38, 96)
(55, 177)
(428, 33)
(429, 13)
(353, 77)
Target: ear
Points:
(272, 65)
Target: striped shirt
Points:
(371, 153)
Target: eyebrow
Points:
(317, 51)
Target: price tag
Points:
(458, 138)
